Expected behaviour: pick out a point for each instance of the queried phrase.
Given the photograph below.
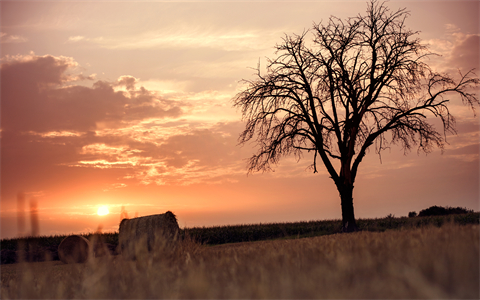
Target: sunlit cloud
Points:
(8, 38)
(79, 77)
(115, 186)
(104, 164)
(127, 81)
(190, 38)
(79, 38)
(54, 134)
(76, 38)
(171, 88)
(192, 172)
(458, 50)
(119, 157)
(102, 149)
(173, 161)
(64, 61)
(123, 125)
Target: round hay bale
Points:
(146, 232)
(73, 249)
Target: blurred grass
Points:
(418, 262)
(39, 248)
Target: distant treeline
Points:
(45, 247)
(256, 232)
(41, 248)
(441, 211)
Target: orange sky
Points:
(129, 104)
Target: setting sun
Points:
(102, 210)
(154, 127)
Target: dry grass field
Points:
(427, 262)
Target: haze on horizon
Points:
(127, 104)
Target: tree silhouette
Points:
(359, 82)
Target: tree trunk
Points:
(348, 216)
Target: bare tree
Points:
(359, 82)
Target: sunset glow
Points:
(129, 105)
(102, 210)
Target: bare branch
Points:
(362, 82)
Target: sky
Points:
(129, 105)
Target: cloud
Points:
(127, 81)
(76, 38)
(36, 97)
(8, 38)
(190, 38)
(177, 157)
(80, 38)
(119, 128)
(51, 125)
(465, 53)
(459, 51)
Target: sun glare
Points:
(102, 210)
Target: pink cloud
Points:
(56, 133)
(9, 38)
(34, 98)
(465, 53)
(127, 81)
(458, 50)
(46, 121)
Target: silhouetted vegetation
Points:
(256, 232)
(45, 247)
(358, 83)
(443, 211)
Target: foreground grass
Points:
(427, 262)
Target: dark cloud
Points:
(33, 72)
(466, 150)
(127, 81)
(465, 55)
(47, 120)
(467, 126)
(35, 99)
(57, 133)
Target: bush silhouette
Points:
(412, 214)
(442, 211)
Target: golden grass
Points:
(428, 262)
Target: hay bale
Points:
(73, 249)
(146, 232)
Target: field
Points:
(35, 248)
(411, 262)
